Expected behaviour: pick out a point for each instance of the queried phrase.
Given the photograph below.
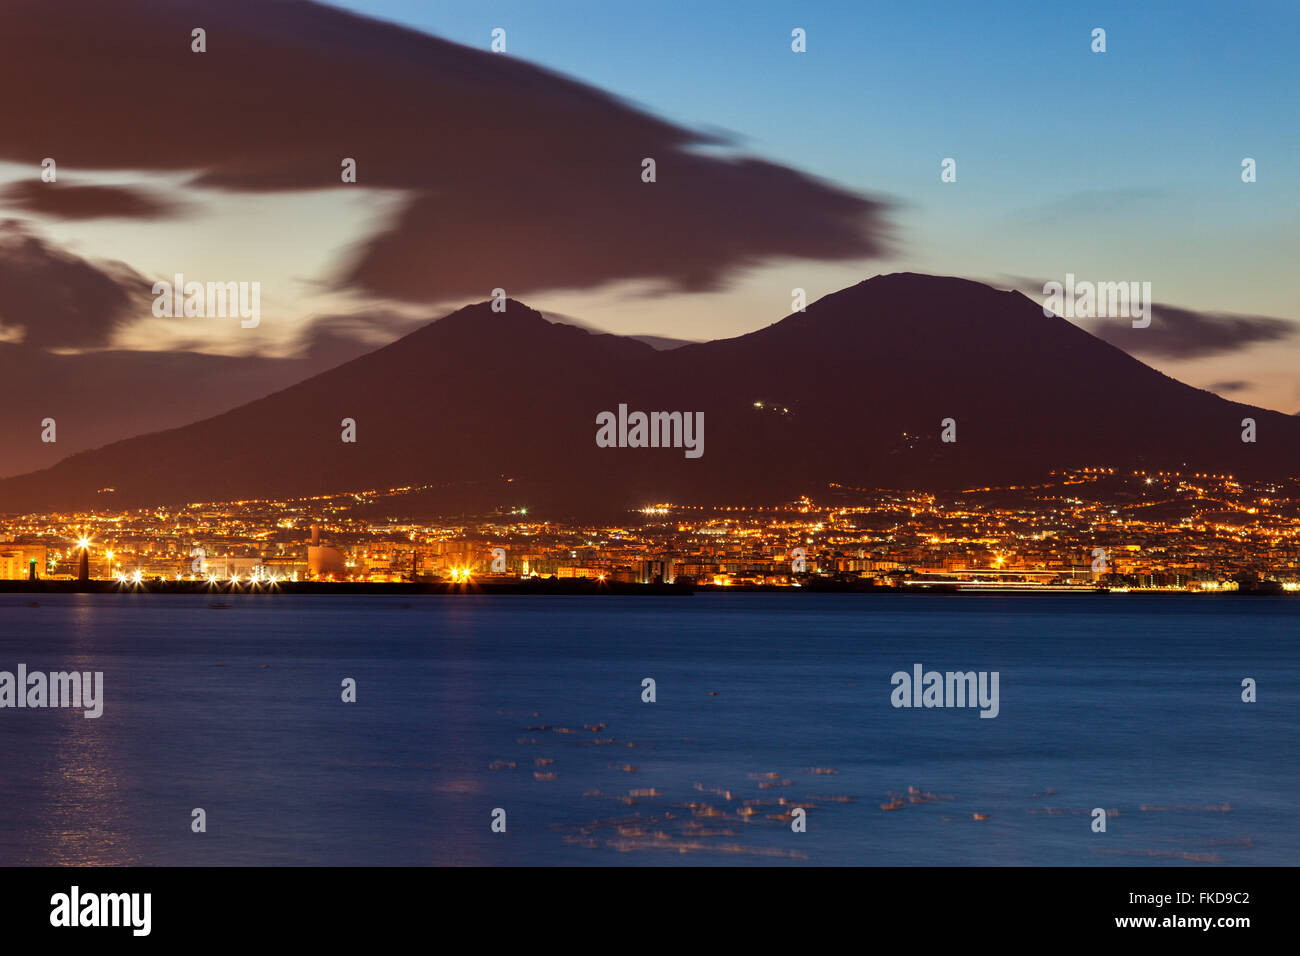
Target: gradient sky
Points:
(1066, 159)
(1115, 166)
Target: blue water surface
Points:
(764, 703)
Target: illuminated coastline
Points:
(1160, 531)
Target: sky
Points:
(1115, 166)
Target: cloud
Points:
(54, 298)
(1087, 203)
(1174, 332)
(512, 176)
(1229, 387)
(330, 340)
(1187, 334)
(63, 201)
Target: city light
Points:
(1204, 533)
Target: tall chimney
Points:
(315, 535)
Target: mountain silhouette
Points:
(500, 408)
(103, 396)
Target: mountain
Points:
(662, 342)
(501, 408)
(103, 396)
(659, 342)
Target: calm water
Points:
(1122, 702)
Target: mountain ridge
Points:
(500, 407)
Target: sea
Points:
(712, 729)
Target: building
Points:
(16, 560)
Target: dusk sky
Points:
(1117, 166)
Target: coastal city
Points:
(1082, 529)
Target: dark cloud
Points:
(64, 201)
(1229, 387)
(583, 224)
(517, 177)
(1174, 332)
(1187, 334)
(59, 299)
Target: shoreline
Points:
(575, 586)
(564, 586)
